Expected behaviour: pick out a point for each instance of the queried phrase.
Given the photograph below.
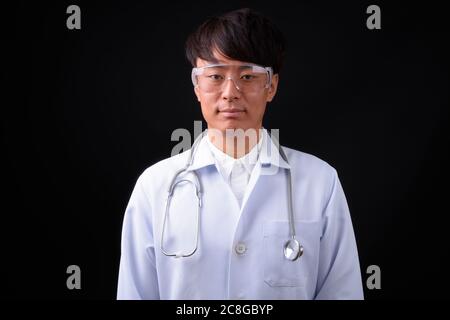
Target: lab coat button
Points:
(240, 248)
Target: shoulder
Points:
(157, 174)
(308, 166)
(306, 160)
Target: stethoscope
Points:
(292, 249)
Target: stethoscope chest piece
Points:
(293, 250)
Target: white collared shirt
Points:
(236, 172)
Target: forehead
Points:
(220, 59)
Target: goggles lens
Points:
(246, 78)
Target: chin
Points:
(232, 124)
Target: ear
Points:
(273, 87)
(197, 93)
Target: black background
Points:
(86, 111)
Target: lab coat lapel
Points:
(202, 156)
(251, 184)
(269, 163)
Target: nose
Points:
(230, 90)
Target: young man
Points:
(239, 217)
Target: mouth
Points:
(231, 112)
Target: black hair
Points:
(243, 35)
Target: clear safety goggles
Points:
(247, 78)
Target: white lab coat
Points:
(328, 269)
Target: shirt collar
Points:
(226, 162)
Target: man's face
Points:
(229, 108)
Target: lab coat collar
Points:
(269, 154)
(202, 156)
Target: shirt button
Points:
(240, 248)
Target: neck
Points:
(235, 142)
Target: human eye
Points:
(248, 77)
(215, 77)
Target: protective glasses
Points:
(248, 78)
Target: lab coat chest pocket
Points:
(281, 272)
